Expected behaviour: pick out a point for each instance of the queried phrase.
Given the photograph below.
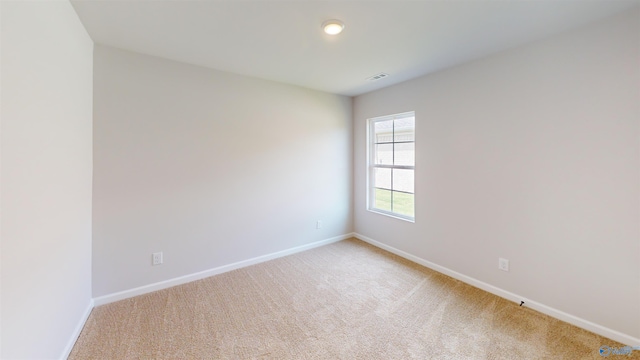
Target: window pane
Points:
(404, 129)
(404, 154)
(382, 200)
(403, 203)
(382, 178)
(392, 158)
(403, 180)
(383, 131)
(384, 154)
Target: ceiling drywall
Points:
(282, 40)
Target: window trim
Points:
(371, 166)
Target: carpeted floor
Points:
(347, 300)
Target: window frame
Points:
(372, 166)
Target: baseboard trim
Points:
(106, 299)
(77, 331)
(555, 313)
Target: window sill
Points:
(392, 215)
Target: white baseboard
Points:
(77, 331)
(211, 272)
(560, 315)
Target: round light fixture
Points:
(333, 27)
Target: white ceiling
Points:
(282, 40)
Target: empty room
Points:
(191, 179)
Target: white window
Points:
(392, 165)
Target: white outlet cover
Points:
(503, 264)
(156, 258)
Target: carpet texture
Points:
(347, 300)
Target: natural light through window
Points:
(391, 165)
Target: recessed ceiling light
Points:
(333, 27)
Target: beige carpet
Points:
(347, 300)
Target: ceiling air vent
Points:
(378, 77)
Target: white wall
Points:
(46, 178)
(209, 167)
(531, 155)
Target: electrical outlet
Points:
(503, 264)
(319, 224)
(157, 258)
